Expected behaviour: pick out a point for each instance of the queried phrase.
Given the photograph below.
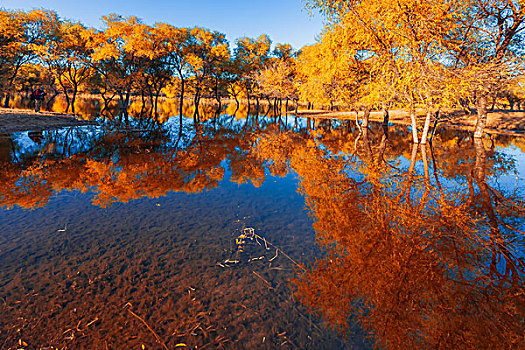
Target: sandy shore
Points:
(498, 122)
(13, 120)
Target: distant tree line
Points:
(129, 58)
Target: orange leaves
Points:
(277, 80)
(430, 53)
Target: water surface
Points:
(118, 237)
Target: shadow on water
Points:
(117, 237)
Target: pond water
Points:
(260, 233)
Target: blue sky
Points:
(285, 21)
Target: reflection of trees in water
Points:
(415, 264)
(122, 165)
(142, 109)
(143, 160)
(409, 257)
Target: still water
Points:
(260, 233)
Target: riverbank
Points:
(498, 121)
(14, 120)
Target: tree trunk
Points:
(269, 105)
(218, 113)
(68, 102)
(6, 100)
(386, 116)
(50, 100)
(425, 162)
(481, 106)
(426, 127)
(64, 90)
(357, 122)
(157, 93)
(196, 101)
(366, 117)
(181, 103)
(126, 104)
(73, 99)
(237, 102)
(123, 108)
(142, 98)
(218, 99)
(11, 83)
(414, 124)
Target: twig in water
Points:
(228, 261)
(249, 233)
(90, 323)
(276, 253)
(286, 255)
(265, 281)
(151, 330)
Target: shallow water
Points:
(122, 237)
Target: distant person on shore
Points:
(38, 97)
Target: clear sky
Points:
(285, 21)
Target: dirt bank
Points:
(13, 120)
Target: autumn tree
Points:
(175, 48)
(208, 51)
(473, 44)
(20, 33)
(11, 57)
(118, 56)
(277, 80)
(251, 55)
(67, 57)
